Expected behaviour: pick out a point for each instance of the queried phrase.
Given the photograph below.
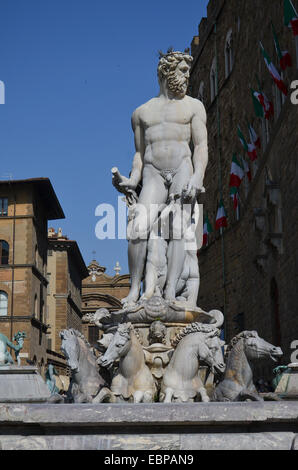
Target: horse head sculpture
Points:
(215, 345)
(86, 380)
(70, 348)
(244, 351)
(256, 348)
(118, 346)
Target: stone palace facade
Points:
(250, 271)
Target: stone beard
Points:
(175, 85)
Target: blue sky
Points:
(74, 71)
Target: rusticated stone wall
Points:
(252, 272)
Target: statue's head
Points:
(173, 69)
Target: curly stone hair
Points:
(124, 329)
(242, 335)
(195, 328)
(168, 62)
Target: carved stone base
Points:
(288, 385)
(22, 385)
(198, 426)
(157, 308)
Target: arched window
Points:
(3, 304)
(201, 94)
(4, 252)
(213, 80)
(229, 56)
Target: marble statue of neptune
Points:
(170, 162)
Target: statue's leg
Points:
(176, 257)
(193, 282)
(153, 194)
(155, 258)
(181, 220)
(151, 278)
(137, 250)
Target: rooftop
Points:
(47, 195)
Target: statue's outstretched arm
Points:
(200, 142)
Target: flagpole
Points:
(220, 175)
(259, 83)
(237, 212)
(264, 120)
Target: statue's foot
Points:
(130, 300)
(145, 297)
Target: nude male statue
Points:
(164, 129)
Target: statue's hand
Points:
(127, 183)
(192, 189)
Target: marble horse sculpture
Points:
(243, 352)
(181, 381)
(86, 382)
(5, 356)
(133, 380)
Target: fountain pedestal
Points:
(22, 384)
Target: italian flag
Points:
(249, 148)
(246, 168)
(285, 59)
(254, 138)
(237, 173)
(290, 16)
(235, 197)
(252, 152)
(262, 106)
(221, 217)
(206, 231)
(242, 139)
(274, 73)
